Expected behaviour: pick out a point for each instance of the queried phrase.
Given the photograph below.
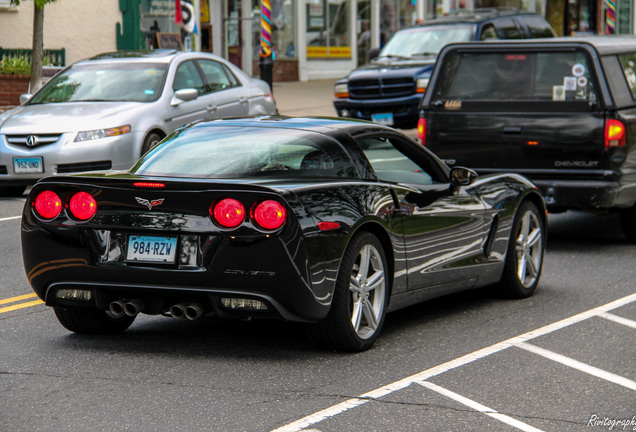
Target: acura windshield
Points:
(131, 82)
(425, 41)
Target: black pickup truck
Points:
(562, 112)
(389, 89)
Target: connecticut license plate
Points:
(384, 118)
(26, 165)
(151, 249)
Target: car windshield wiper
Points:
(424, 54)
(394, 56)
(95, 100)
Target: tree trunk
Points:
(37, 54)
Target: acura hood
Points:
(69, 117)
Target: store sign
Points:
(161, 8)
(328, 52)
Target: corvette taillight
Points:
(269, 215)
(229, 213)
(82, 206)
(614, 133)
(48, 205)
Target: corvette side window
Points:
(390, 164)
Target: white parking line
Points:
(461, 361)
(479, 407)
(10, 218)
(570, 362)
(618, 319)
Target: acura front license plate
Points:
(25, 165)
(150, 249)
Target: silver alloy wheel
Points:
(368, 291)
(529, 247)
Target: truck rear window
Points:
(628, 63)
(515, 76)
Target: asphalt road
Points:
(563, 360)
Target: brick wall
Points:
(11, 87)
(284, 70)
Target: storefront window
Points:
(396, 15)
(624, 13)
(328, 33)
(282, 17)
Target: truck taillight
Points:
(614, 133)
(421, 130)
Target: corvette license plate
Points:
(151, 249)
(24, 165)
(384, 118)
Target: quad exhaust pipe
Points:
(189, 311)
(131, 308)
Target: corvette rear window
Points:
(516, 76)
(238, 152)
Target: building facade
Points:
(311, 39)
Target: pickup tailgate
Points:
(537, 112)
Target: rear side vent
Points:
(80, 167)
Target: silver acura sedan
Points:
(105, 112)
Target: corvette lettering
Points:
(148, 203)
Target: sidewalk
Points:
(305, 98)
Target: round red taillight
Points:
(270, 215)
(82, 206)
(48, 205)
(228, 213)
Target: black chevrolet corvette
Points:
(323, 221)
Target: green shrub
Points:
(19, 65)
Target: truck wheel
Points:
(524, 258)
(92, 321)
(628, 223)
(360, 298)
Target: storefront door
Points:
(233, 32)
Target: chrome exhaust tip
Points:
(193, 311)
(133, 307)
(178, 310)
(117, 308)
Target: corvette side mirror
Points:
(461, 176)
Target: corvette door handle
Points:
(512, 130)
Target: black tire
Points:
(628, 223)
(92, 321)
(12, 191)
(524, 258)
(358, 297)
(151, 140)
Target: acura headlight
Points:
(102, 133)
